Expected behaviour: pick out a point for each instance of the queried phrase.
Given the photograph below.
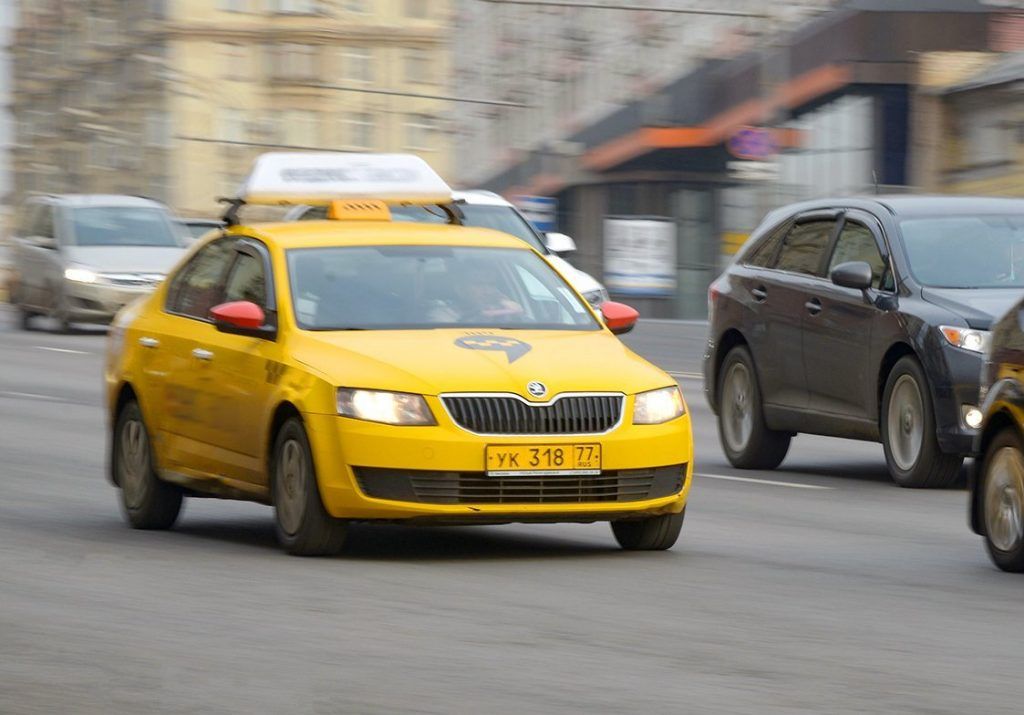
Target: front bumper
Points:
(346, 448)
(100, 301)
(955, 375)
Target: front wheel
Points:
(303, 526)
(655, 533)
(1002, 501)
(147, 501)
(908, 431)
(747, 441)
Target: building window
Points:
(233, 5)
(417, 65)
(295, 61)
(358, 64)
(293, 7)
(416, 9)
(358, 6)
(419, 132)
(157, 128)
(300, 128)
(988, 135)
(236, 62)
(231, 125)
(360, 130)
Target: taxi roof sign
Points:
(318, 178)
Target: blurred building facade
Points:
(174, 98)
(835, 91)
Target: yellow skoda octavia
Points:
(364, 369)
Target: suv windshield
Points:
(416, 287)
(123, 226)
(984, 251)
(499, 218)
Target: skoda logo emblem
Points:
(536, 389)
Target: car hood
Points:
(437, 361)
(125, 259)
(583, 282)
(980, 307)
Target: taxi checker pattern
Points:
(357, 368)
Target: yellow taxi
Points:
(365, 369)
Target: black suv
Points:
(864, 318)
(997, 481)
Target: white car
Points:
(489, 210)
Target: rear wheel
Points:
(1002, 501)
(908, 431)
(655, 533)
(147, 501)
(746, 439)
(304, 528)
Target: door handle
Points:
(148, 342)
(760, 294)
(202, 354)
(813, 306)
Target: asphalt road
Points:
(819, 587)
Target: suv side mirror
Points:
(242, 317)
(852, 274)
(559, 243)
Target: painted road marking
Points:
(769, 482)
(62, 350)
(30, 396)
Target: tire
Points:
(907, 425)
(747, 441)
(25, 318)
(303, 526)
(147, 501)
(656, 533)
(1002, 501)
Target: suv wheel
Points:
(908, 431)
(1002, 500)
(746, 439)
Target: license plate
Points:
(543, 459)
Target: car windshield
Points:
(499, 218)
(984, 251)
(123, 226)
(420, 287)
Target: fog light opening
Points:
(972, 416)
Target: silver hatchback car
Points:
(81, 258)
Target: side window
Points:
(857, 243)
(26, 220)
(763, 255)
(247, 281)
(805, 246)
(200, 283)
(42, 225)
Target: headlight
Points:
(657, 406)
(393, 408)
(976, 341)
(80, 275)
(596, 297)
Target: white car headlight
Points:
(976, 341)
(80, 275)
(393, 408)
(657, 406)
(596, 297)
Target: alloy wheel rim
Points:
(133, 463)
(1004, 499)
(906, 422)
(737, 416)
(290, 486)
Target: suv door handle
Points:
(148, 342)
(760, 294)
(813, 306)
(202, 354)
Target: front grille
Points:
(427, 487)
(133, 280)
(505, 414)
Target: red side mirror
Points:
(240, 314)
(619, 317)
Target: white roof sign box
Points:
(322, 177)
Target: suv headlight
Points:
(393, 408)
(657, 406)
(976, 341)
(80, 275)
